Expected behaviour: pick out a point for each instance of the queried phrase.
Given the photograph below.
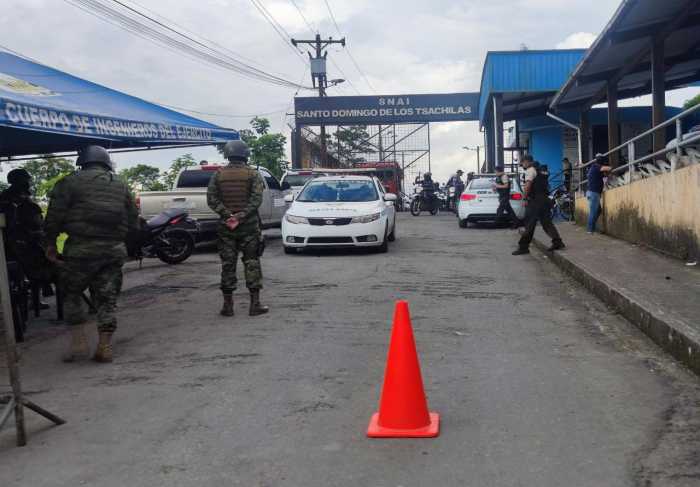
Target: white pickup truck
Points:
(190, 194)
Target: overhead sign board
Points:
(389, 109)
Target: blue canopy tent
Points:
(43, 110)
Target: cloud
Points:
(402, 46)
(579, 40)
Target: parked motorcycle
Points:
(560, 203)
(164, 237)
(422, 203)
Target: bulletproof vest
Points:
(98, 205)
(502, 191)
(540, 186)
(235, 183)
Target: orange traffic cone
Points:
(403, 408)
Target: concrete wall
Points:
(661, 212)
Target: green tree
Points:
(692, 102)
(143, 177)
(351, 143)
(182, 162)
(266, 149)
(47, 168)
(46, 186)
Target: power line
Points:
(174, 107)
(347, 49)
(146, 27)
(281, 31)
(330, 12)
(301, 13)
(313, 30)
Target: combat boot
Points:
(103, 354)
(78, 348)
(227, 308)
(255, 307)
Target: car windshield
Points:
(194, 178)
(338, 190)
(298, 179)
(482, 183)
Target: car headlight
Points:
(296, 219)
(366, 218)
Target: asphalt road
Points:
(536, 382)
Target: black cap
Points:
(526, 157)
(499, 168)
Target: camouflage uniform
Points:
(247, 236)
(96, 210)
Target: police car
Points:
(479, 201)
(340, 211)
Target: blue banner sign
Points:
(375, 110)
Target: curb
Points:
(669, 332)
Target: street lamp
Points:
(477, 149)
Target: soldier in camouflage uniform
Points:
(235, 193)
(96, 209)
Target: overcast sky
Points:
(402, 46)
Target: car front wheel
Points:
(463, 223)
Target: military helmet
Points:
(94, 154)
(236, 149)
(18, 176)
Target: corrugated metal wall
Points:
(526, 71)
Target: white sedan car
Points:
(479, 201)
(340, 211)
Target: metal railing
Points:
(632, 162)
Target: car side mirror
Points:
(390, 197)
(285, 186)
(288, 198)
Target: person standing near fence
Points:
(596, 173)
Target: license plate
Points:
(186, 205)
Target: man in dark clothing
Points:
(428, 186)
(502, 187)
(455, 182)
(24, 234)
(596, 173)
(537, 206)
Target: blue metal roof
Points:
(44, 110)
(522, 74)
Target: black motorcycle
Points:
(164, 237)
(561, 204)
(425, 202)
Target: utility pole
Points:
(318, 76)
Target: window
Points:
(482, 183)
(298, 179)
(338, 190)
(194, 179)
